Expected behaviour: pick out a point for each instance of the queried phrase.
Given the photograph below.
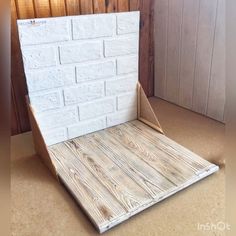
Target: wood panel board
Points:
(114, 176)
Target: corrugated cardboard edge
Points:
(145, 111)
(39, 143)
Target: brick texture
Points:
(81, 72)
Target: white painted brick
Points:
(46, 101)
(86, 127)
(96, 108)
(93, 26)
(124, 85)
(80, 52)
(121, 117)
(55, 136)
(44, 31)
(59, 118)
(127, 65)
(127, 101)
(127, 22)
(121, 46)
(49, 78)
(39, 57)
(84, 93)
(95, 71)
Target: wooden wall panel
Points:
(58, 7)
(42, 8)
(72, 7)
(189, 58)
(99, 6)
(23, 9)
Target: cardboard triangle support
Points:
(145, 111)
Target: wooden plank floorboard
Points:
(94, 198)
(120, 171)
(147, 177)
(126, 191)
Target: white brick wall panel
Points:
(55, 136)
(86, 127)
(127, 101)
(127, 23)
(44, 31)
(81, 70)
(121, 46)
(96, 109)
(95, 71)
(121, 117)
(39, 57)
(46, 101)
(56, 119)
(84, 93)
(93, 26)
(80, 52)
(50, 78)
(119, 86)
(127, 65)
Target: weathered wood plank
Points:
(130, 195)
(147, 177)
(157, 159)
(94, 198)
(116, 173)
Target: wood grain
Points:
(134, 5)
(111, 6)
(72, 7)
(42, 8)
(86, 6)
(99, 6)
(116, 173)
(123, 5)
(58, 7)
(189, 54)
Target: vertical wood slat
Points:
(58, 7)
(42, 8)
(123, 5)
(216, 96)
(144, 6)
(86, 6)
(161, 44)
(206, 28)
(72, 7)
(134, 5)
(19, 89)
(99, 6)
(188, 49)
(173, 50)
(25, 9)
(111, 5)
